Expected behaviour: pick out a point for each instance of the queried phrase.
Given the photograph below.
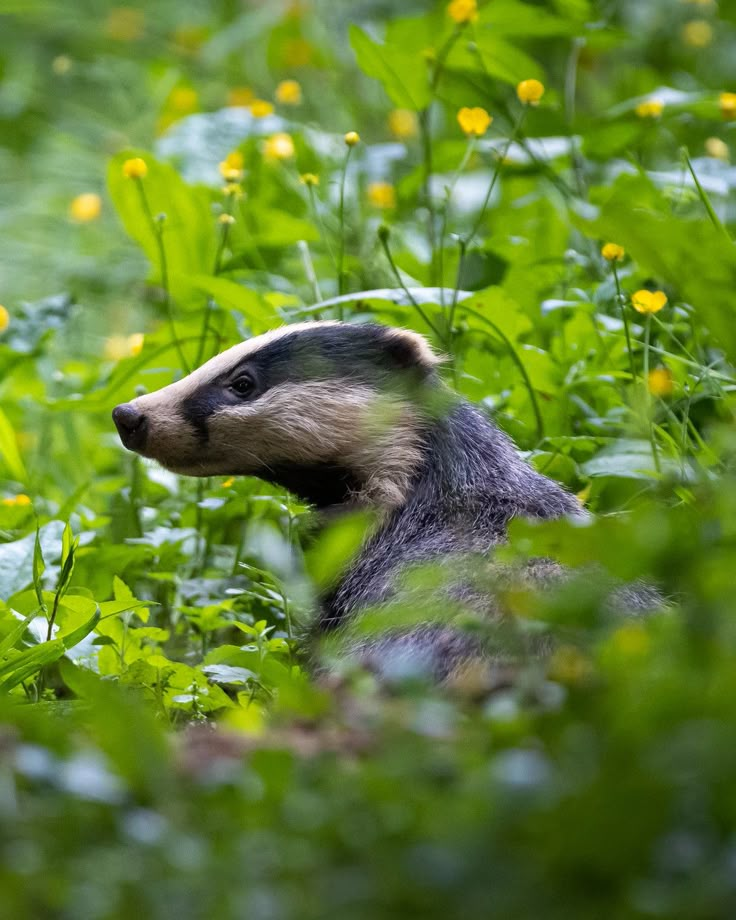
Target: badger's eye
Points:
(242, 386)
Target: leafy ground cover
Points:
(545, 191)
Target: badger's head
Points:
(328, 410)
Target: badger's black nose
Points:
(132, 426)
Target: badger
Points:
(357, 416)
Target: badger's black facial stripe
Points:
(221, 393)
(364, 353)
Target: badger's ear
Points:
(409, 349)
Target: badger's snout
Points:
(132, 426)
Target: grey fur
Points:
(461, 484)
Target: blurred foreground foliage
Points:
(175, 177)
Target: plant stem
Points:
(341, 214)
(648, 403)
(383, 237)
(157, 229)
(625, 319)
(715, 219)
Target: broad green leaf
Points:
(9, 450)
(404, 76)
(188, 232)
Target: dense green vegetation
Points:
(177, 176)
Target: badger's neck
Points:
(469, 484)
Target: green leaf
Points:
(691, 255)
(404, 76)
(233, 296)
(9, 450)
(188, 231)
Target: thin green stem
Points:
(158, 229)
(446, 212)
(210, 307)
(539, 421)
(715, 219)
(383, 237)
(625, 319)
(341, 215)
(648, 403)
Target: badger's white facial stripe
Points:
(197, 427)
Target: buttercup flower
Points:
(403, 124)
(309, 179)
(382, 195)
(352, 138)
(231, 168)
(135, 343)
(530, 91)
(698, 33)
(717, 148)
(279, 147)
(612, 252)
(228, 482)
(4, 319)
(183, 100)
(289, 92)
(650, 108)
(85, 207)
(259, 108)
(463, 11)
(727, 101)
(474, 122)
(240, 96)
(135, 168)
(648, 301)
(660, 382)
(17, 501)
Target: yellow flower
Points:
(402, 123)
(240, 96)
(135, 168)
(85, 207)
(530, 91)
(612, 252)
(660, 382)
(62, 64)
(231, 168)
(309, 179)
(279, 147)
(474, 122)
(233, 189)
(648, 301)
(118, 347)
(21, 500)
(463, 11)
(259, 108)
(352, 138)
(382, 195)
(125, 24)
(183, 100)
(630, 641)
(717, 148)
(228, 482)
(727, 101)
(135, 343)
(650, 108)
(289, 92)
(569, 665)
(226, 219)
(4, 319)
(698, 33)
